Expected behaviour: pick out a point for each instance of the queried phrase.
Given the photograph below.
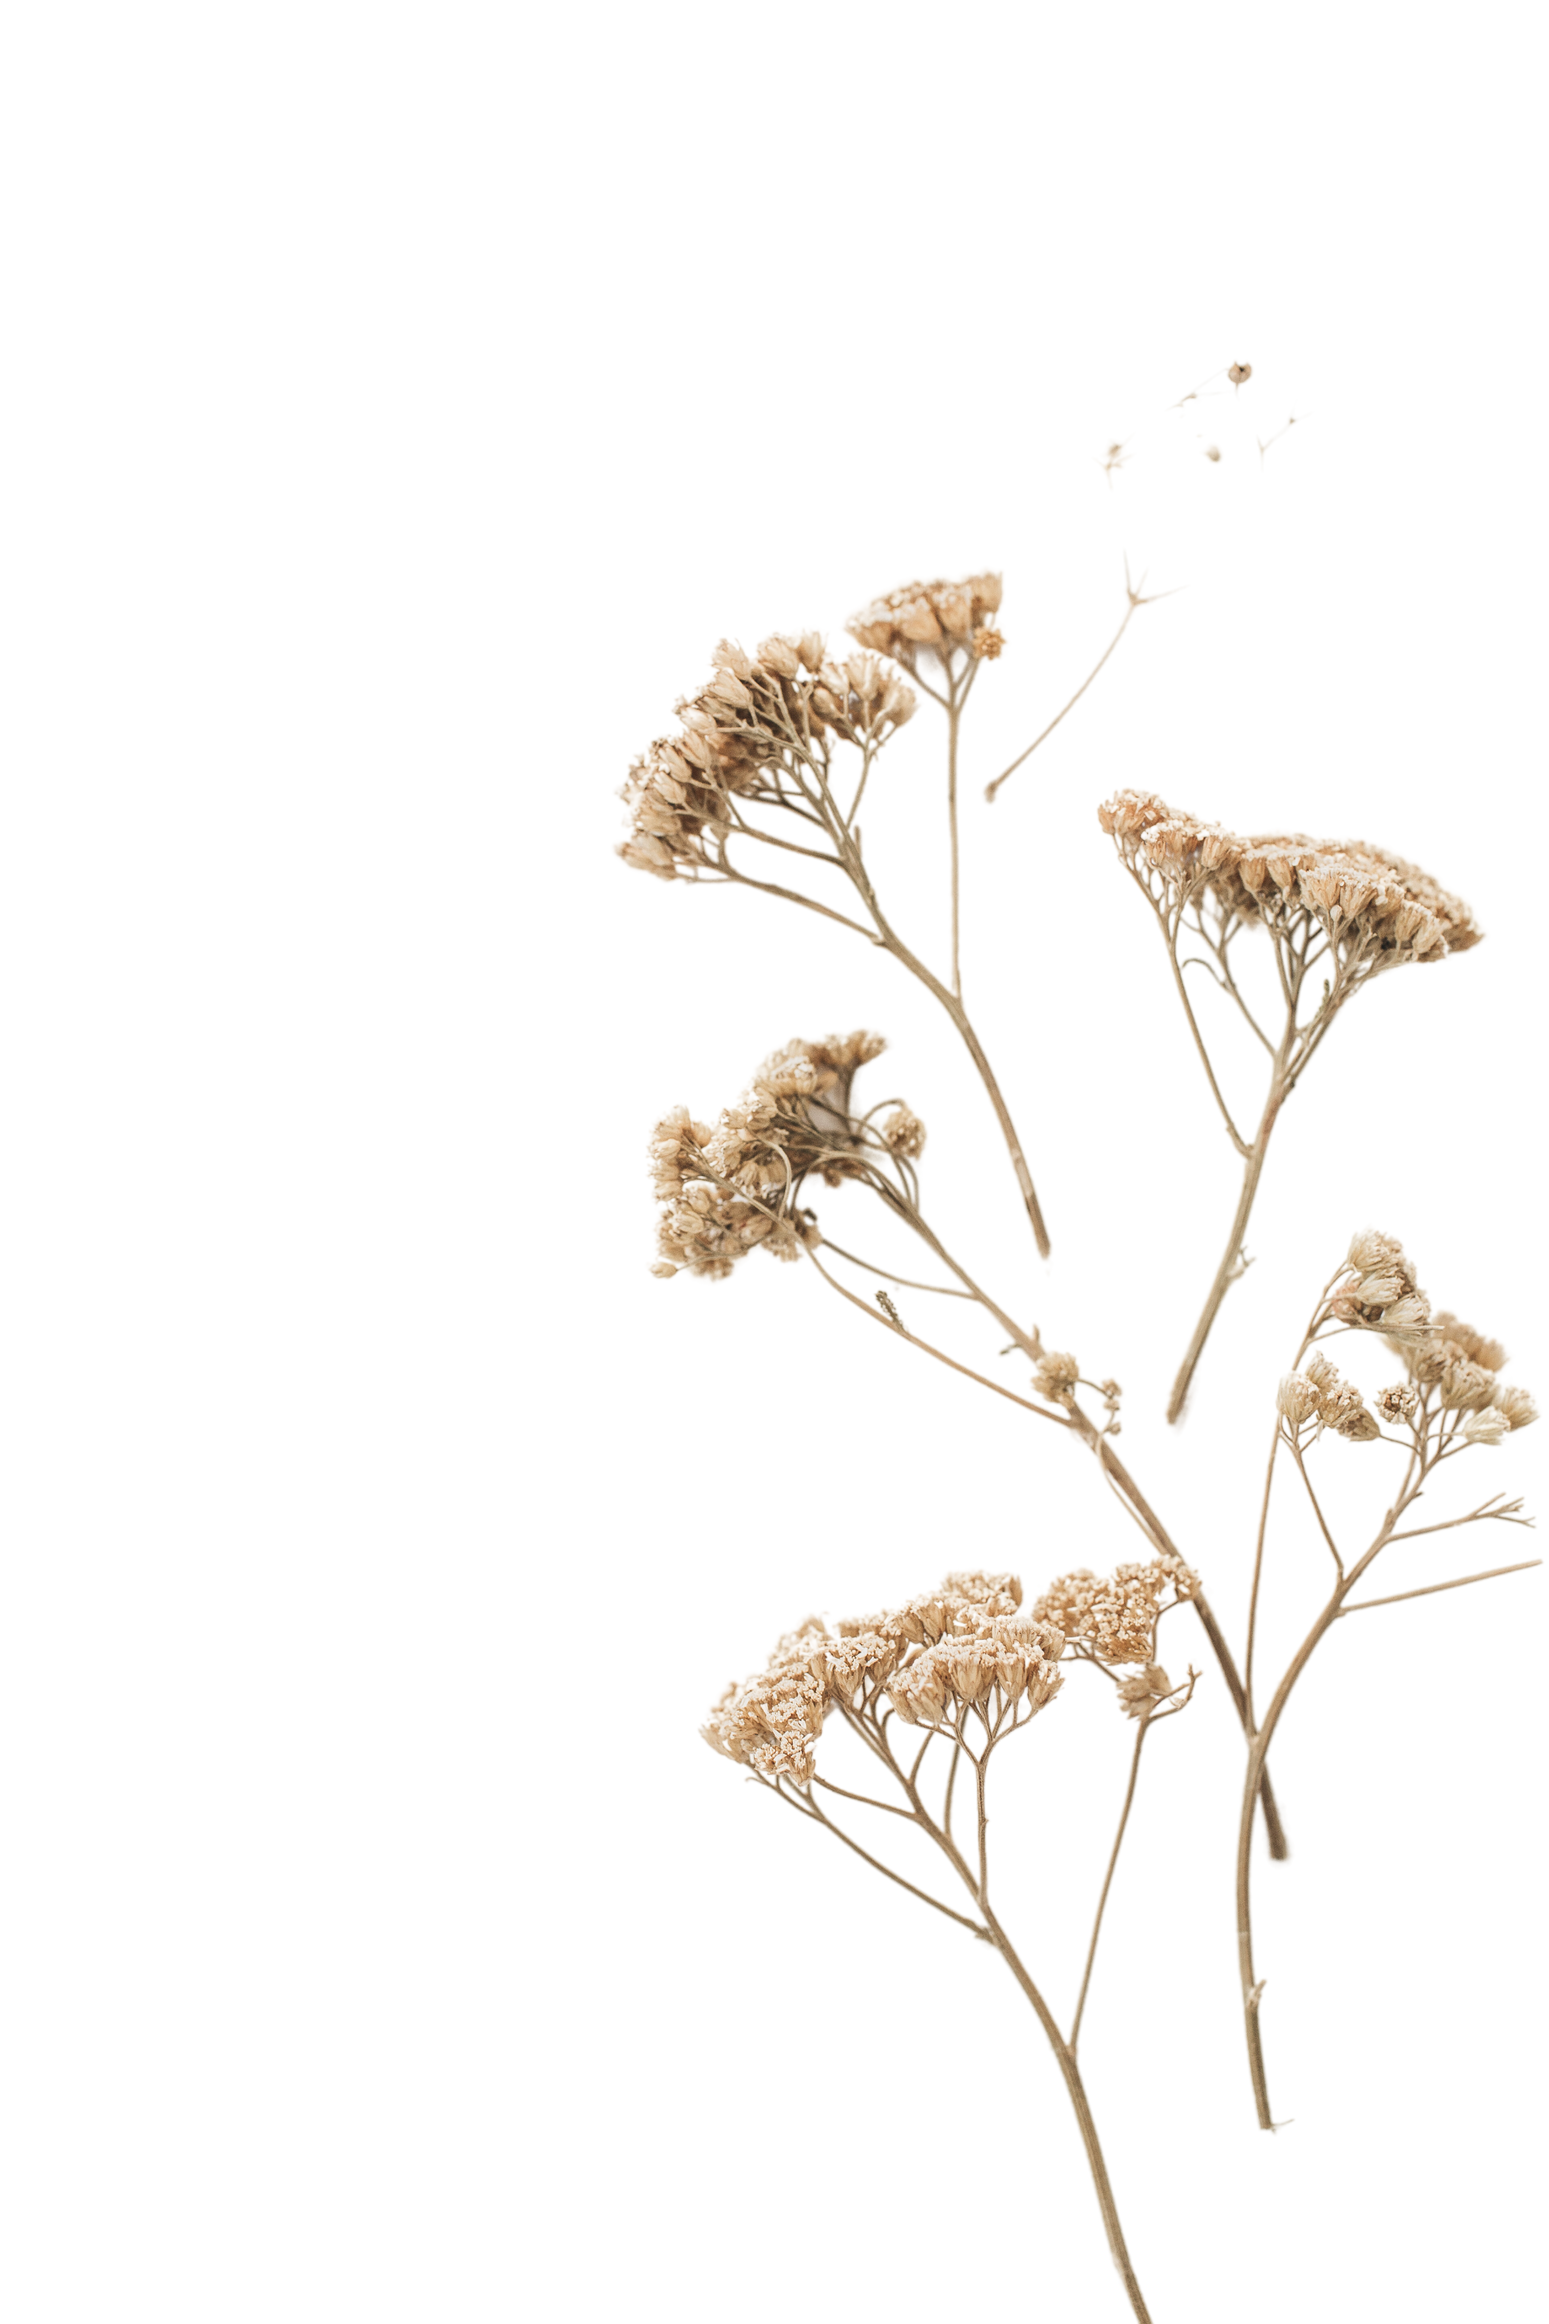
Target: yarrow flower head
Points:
(940, 615)
(733, 1189)
(1370, 905)
(1055, 1377)
(1141, 1691)
(1116, 1614)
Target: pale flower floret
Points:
(1056, 1376)
(1485, 1427)
(1296, 1400)
(1517, 1406)
(1140, 1693)
(940, 615)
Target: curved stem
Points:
(1129, 614)
(954, 713)
(957, 1274)
(1250, 2018)
(1118, 1842)
(1231, 1259)
(1065, 2059)
(1491, 1574)
(1180, 981)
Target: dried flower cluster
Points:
(732, 1189)
(1367, 902)
(1002, 1661)
(967, 1646)
(941, 615)
(1142, 1690)
(1380, 1293)
(1116, 1616)
(749, 735)
(1452, 1368)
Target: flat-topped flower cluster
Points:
(1361, 896)
(744, 735)
(942, 615)
(968, 1646)
(731, 1189)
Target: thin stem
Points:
(1129, 615)
(946, 1792)
(1430, 1590)
(940, 1290)
(1258, 1572)
(1065, 2059)
(1255, 2062)
(1280, 1848)
(899, 1332)
(1296, 1454)
(1179, 980)
(1255, 1574)
(1231, 1261)
(957, 1274)
(863, 1799)
(962, 1919)
(954, 714)
(868, 755)
(1506, 1516)
(1118, 1842)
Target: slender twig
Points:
(1255, 2062)
(1118, 1842)
(1296, 1455)
(1430, 1590)
(1130, 610)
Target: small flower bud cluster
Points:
(667, 800)
(731, 1190)
(905, 1133)
(1380, 1293)
(1140, 1693)
(1368, 903)
(795, 684)
(1461, 1366)
(767, 698)
(1317, 1397)
(994, 1663)
(940, 614)
(772, 1723)
(1396, 1405)
(1116, 1614)
(1056, 1377)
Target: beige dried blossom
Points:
(1056, 1377)
(1362, 897)
(1448, 1357)
(1381, 1293)
(905, 1133)
(771, 1723)
(732, 1189)
(998, 1662)
(1140, 1693)
(988, 645)
(1115, 1615)
(1318, 1393)
(941, 615)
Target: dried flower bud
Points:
(1237, 373)
(1056, 1377)
(1297, 1400)
(1467, 1387)
(988, 645)
(1396, 1404)
(905, 1133)
(1517, 1405)
(1490, 1427)
(1140, 1694)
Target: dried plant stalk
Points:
(1451, 1403)
(1341, 906)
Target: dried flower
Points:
(730, 1190)
(1396, 1404)
(1488, 1427)
(1140, 1693)
(1116, 1615)
(942, 615)
(1238, 373)
(1318, 1393)
(1056, 1377)
(988, 645)
(905, 1133)
(1367, 902)
(1516, 1405)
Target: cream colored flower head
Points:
(938, 615)
(772, 1723)
(1141, 1691)
(1116, 1614)
(1363, 899)
(1316, 1396)
(1056, 1377)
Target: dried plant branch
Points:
(1430, 1589)
(1452, 1403)
(1359, 909)
(1134, 601)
